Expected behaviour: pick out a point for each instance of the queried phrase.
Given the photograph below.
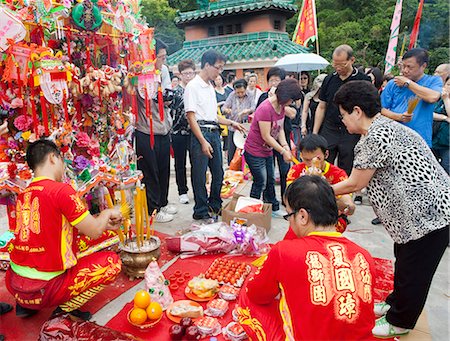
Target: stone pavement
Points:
(373, 238)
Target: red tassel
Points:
(88, 53)
(44, 112)
(52, 113)
(68, 36)
(134, 107)
(66, 110)
(150, 117)
(33, 112)
(160, 104)
(78, 108)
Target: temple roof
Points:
(232, 7)
(240, 47)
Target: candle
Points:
(123, 196)
(137, 212)
(145, 208)
(108, 199)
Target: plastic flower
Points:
(81, 162)
(23, 122)
(83, 140)
(26, 135)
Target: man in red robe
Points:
(44, 270)
(318, 286)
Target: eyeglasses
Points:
(188, 73)
(340, 65)
(287, 216)
(162, 56)
(218, 68)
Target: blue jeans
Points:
(200, 164)
(284, 170)
(263, 179)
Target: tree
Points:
(365, 25)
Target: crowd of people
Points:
(354, 128)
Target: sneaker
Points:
(376, 221)
(358, 200)
(384, 330)
(184, 199)
(380, 309)
(206, 219)
(170, 209)
(163, 217)
(279, 213)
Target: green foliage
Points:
(365, 25)
(161, 16)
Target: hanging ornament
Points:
(87, 15)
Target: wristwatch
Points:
(406, 84)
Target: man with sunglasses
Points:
(318, 286)
(327, 122)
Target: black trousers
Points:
(155, 165)
(180, 146)
(340, 145)
(415, 265)
(231, 146)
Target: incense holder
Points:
(136, 259)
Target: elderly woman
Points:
(410, 193)
(267, 134)
(318, 286)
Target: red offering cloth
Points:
(329, 296)
(332, 173)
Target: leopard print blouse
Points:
(409, 191)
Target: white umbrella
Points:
(302, 62)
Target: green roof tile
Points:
(222, 8)
(240, 47)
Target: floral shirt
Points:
(180, 123)
(409, 191)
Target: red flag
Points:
(306, 30)
(415, 29)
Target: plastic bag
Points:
(63, 327)
(236, 162)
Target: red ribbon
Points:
(68, 37)
(44, 112)
(88, 52)
(66, 111)
(150, 117)
(160, 104)
(33, 112)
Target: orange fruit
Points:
(138, 316)
(154, 311)
(142, 299)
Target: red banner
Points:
(415, 29)
(306, 30)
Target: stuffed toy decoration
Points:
(87, 15)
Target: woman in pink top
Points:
(266, 133)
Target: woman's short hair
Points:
(288, 89)
(223, 80)
(276, 72)
(316, 196)
(186, 64)
(359, 93)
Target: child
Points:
(313, 152)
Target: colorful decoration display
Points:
(64, 69)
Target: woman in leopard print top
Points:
(410, 193)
